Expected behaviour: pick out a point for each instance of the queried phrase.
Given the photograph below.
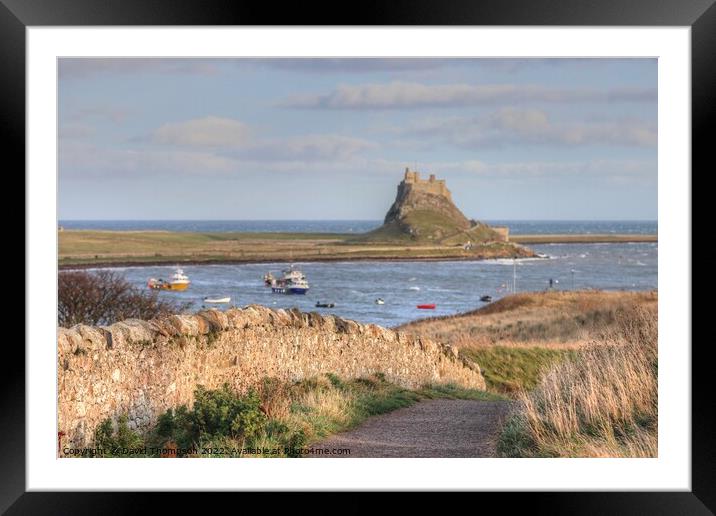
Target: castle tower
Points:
(411, 177)
(431, 185)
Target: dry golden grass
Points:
(331, 404)
(601, 404)
(554, 319)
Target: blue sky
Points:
(330, 138)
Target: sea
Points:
(517, 227)
(453, 286)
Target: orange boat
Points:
(427, 307)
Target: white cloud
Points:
(533, 127)
(235, 139)
(402, 95)
(308, 153)
(85, 160)
(313, 147)
(593, 171)
(210, 131)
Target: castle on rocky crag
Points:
(430, 185)
(424, 210)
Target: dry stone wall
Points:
(142, 368)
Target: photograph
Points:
(357, 257)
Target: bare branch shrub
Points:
(105, 297)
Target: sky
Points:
(326, 138)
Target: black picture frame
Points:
(700, 15)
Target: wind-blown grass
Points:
(603, 404)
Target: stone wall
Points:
(143, 368)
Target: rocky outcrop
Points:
(423, 210)
(142, 368)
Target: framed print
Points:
(426, 241)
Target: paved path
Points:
(433, 428)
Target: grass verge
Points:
(276, 420)
(509, 370)
(602, 405)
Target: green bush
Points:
(215, 415)
(120, 443)
(222, 413)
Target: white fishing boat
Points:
(292, 282)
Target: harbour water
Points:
(453, 286)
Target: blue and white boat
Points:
(292, 282)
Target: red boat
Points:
(427, 307)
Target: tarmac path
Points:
(433, 428)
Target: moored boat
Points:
(292, 282)
(217, 300)
(427, 306)
(178, 282)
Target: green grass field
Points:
(98, 248)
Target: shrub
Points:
(104, 297)
(216, 415)
(121, 442)
(222, 413)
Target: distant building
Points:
(503, 232)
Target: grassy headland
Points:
(89, 248)
(558, 319)
(97, 248)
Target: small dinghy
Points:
(325, 305)
(379, 301)
(217, 300)
(430, 306)
(486, 299)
